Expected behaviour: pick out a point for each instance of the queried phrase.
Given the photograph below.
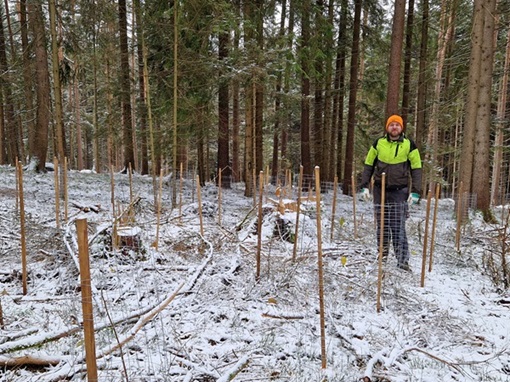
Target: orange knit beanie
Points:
(395, 118)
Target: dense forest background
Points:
(259, 85)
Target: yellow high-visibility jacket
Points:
(399, 159)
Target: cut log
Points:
(28, 360)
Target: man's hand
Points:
(414, 198)
(365, 194)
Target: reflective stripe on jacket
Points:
(399, 159)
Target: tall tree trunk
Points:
(286, 88)
(468, 141)
(338, 105)
(5, 86)
(259, 89)
(445, 25)
(223, 115)
(406, 89)
(353, 91)
(125, 92)
(236, 165)
(27, 77)
(497, 185)
(278, 103)
(305, 90)
(248, 141)
(395, 58)
(482, 152)
(57, 90)
(142, 106)
(318, 76)
(327, 170)
(422, 76)
(42, 86)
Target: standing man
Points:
(398, 157)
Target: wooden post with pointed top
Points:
(86, 300)
(355, 223)
(434, 220)
(459, 216)
(298, 210)
(381, 242)
(219, 196)
(57, 192)
(425, 240)
(66, 193)
(333, 208)
(24, 276)
(199, 199)
(320, 267)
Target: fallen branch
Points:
(236, 369)
(282, 316)
(140, 324)
(28, 360)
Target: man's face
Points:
(394, 129)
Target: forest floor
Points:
(179, 305)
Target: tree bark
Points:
(467, 158)
(338, 102)
(395, 58)
(305, 91)
(42, 86)
(223, 116)
(142, 106)
(482, 152)
(127, 132)
(498, 186)
(353, 91)
(422, 76)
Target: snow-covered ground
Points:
(186, 307)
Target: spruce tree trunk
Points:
(497, 185)
(353, 92)
(482, 152)
(468, 140)
(223, 116)
(395, 58)
(305, 93)
(42, 86)
(338, 102)
(125, 90)
(422, 76)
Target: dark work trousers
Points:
(395, 214)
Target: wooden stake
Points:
(22, 229)
(333, 208)
(114, 220)
(425, 240)
(219, 196)
(2, 325)
(434, 220)
(66, 193)
(199, 197)
(86, 300)
(254, 177)
(353, 183)
(180, 194)
(160, 201)
(259, 224)
(17, 185)
(57, 193)
(130, 170)
(381, 242)
(319, 264)
(298, 209)
(459, 216)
